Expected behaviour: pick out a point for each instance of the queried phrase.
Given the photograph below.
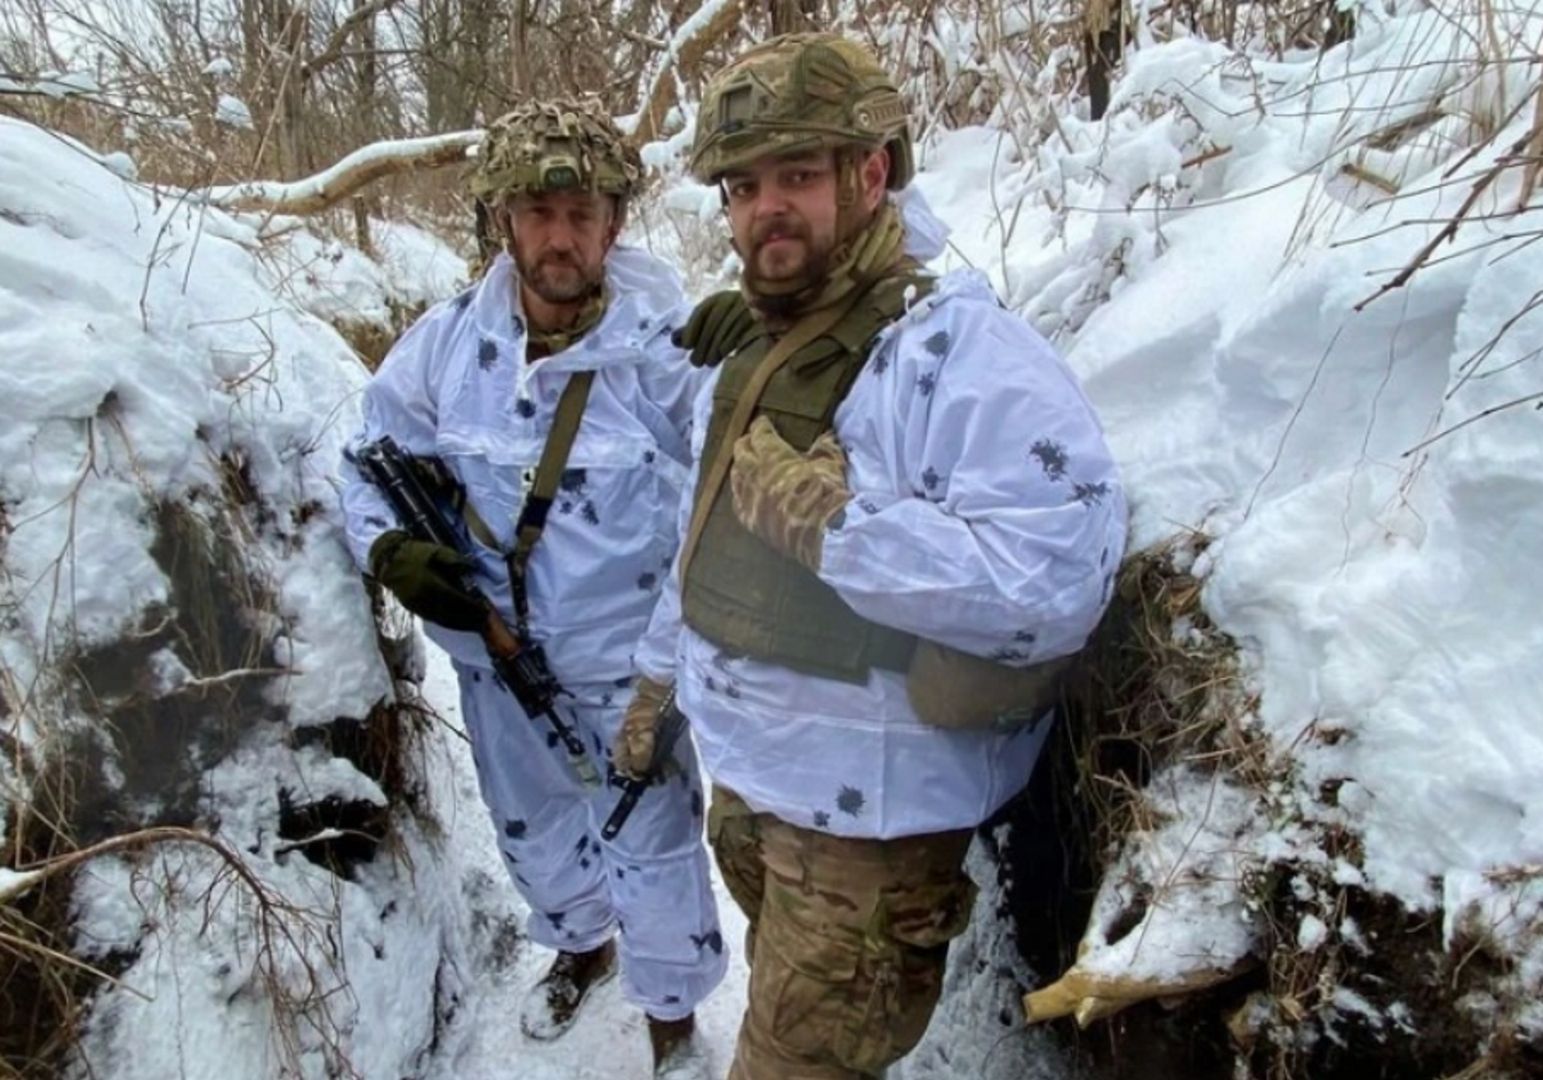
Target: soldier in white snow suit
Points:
(903, 518)
(476, 384)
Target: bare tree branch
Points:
(1474, 419)
(656, 44)
(367, 164)
(1480, 186)
(332, 51)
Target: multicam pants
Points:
(847, 941)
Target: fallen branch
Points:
(14, 883)
(364, 166)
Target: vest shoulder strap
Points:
(804, 331)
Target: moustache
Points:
(777, 229)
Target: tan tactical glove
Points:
(633, 751)
(786, 498)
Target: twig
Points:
(232, 676)
(1491, 411)
(1535, 153)
(1366, 176)
(1480, 186)
(1209, 155)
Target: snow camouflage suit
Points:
(986, 515)
(457, 386)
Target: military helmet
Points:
(555, 146)
(800, 92)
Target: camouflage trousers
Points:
(847, 941)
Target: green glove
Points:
(428, 579)
(720, 326)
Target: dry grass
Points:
(1160, 686)
(1157, 685)
(284, 939)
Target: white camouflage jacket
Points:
(986, 514)
(457, 386)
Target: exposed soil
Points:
(1431, 1012)
(161, 743)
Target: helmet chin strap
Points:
(849, 191)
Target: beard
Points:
(558, 278)
(776, 286)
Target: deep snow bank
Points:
(1203, 253)
(185, 642)
(369, 298)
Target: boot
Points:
(677, 1053)
(552, 1004)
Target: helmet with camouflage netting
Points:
(800, 92)
(555, 146)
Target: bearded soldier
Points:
(550, 407)
(903, 517)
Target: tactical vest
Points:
(743, 595)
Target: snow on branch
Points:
(51, 84)
(713, 21)
(348, 175)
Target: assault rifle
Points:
(519, 663)
(671, 723)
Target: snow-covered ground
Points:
(978, 1033)
(410, 269)
(609, 1040)
(1203, 254)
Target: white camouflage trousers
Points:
(651, 886)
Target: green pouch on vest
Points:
(953, 689)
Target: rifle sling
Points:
(549, 474)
